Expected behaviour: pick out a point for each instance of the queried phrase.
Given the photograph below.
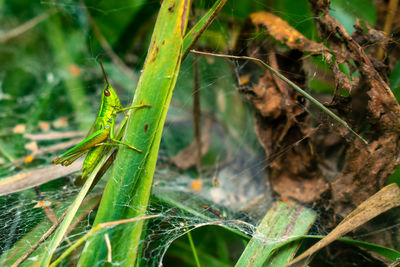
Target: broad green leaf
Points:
(281, 222)
(347, 12)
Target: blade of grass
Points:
(293, 85)
(193, 248)
(73, 84)
(196, 31)
(164, 198)
(38, 235)
(388, 253)
(6, 152)
(182, 251)
(41, 104)
(60, 233)
(280, 223)
(93, 231)
(128, 189)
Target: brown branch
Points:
(197, 114)
(27, 25)
(387, 28)
(41, 240)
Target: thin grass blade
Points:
(282, 222)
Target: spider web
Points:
(232, 192)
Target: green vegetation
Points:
(198, 193)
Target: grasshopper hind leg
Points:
(68, 160)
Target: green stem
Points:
(65, 63)
(196, 258)
(95, 230)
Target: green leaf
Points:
(194, 33)
(346, 12)
(281, 222)
(63, 227)
(388, 253)
(395, 81)
(297, 14)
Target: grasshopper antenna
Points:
(104, 73)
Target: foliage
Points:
(50, 83)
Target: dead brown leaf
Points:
(310, 164)
(385, 199)
(186, 158)
(283, 32)
(29, 179)
(19, 128)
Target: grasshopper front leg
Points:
(133, 107)
(118, 142)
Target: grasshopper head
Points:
(110, 97)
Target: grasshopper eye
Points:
(106, 92)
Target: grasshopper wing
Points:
(84, 146)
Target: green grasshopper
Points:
(100, 135)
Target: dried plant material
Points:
(60, 123)
(44, 126)
(74, 70)
(215, 181)
(186, 158)
(21, 29)
(197, 185)
(32, 146)
(364, 172)
(281, 117)
(19, 128)
(244, 79)
(387, 198)
(109, 249)
(283, 32)
(52, 135)
(42, 204)
(46, 206)
(28, 159)
(49, 149)
(213, 211)
(310, 164)
(395, 263)
(366, 169)
(34, 178)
